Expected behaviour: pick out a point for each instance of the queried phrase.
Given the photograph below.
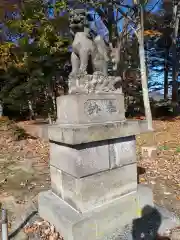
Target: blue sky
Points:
(98, 23)
(102, 29)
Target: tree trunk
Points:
(53, 92)
(174, 65)
(54, 106)
(31, 111)
(54, 102)
(143, 70)
(47, 104)
(1, 110)
(166, 72)
(49, 118)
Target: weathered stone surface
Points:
(56, 180)
(93, 108)
(83, 83)
(89, 192)
(81, 160)
(92, 225)
(83, 133)
(89, 158)
(122, 151)
(99, 224)
(21, 236)
(145, 197)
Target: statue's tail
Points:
(101, 47)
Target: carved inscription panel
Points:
(97, 107)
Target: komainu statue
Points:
(89, 59)
(86, 50)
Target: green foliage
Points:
(41, 50)
(178, 149)
(59, 6)
(31, 67)
(162, 148)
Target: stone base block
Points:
(92, 191)
(144, 198)
(100, 223)
(90, 108)
(90, 158)
(74, 134)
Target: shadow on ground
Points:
(148, 225)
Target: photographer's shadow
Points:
(147, 226)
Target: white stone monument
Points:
(93, 166)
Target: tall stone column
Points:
(94, 191)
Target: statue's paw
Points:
(82, 72)
(118, 79)
(73, 90)
(72, 74)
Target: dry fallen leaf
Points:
(9, 226)
(165, 168)
(142, 180)
(30, 229)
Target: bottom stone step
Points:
(102, 222)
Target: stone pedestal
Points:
(93, 168)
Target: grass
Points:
(178, 150)
(165, 147)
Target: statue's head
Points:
(77, 19)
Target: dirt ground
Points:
(24, 172)
(24, 169)
(162, 172)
